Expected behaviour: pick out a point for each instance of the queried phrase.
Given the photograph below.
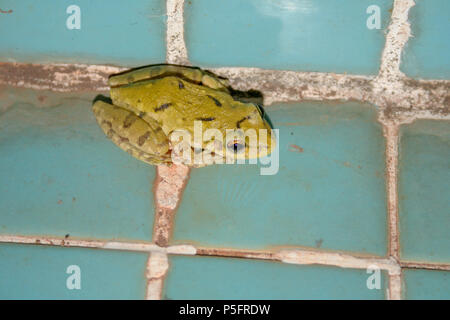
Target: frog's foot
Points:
(191, 74)
(142, 139)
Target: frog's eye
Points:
(235, 146)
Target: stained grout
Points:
(157, 267)
(400, 99)
(408, 100)
(169, 182)
(425, 265)
(175, 44)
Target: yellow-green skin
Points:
(151, 103)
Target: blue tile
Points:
(426, 285)
(329, 191)
(198, 278)
(120, 33)
(40, 272)
(324, 35)
(61, 175)
(424, 191)
(426, 52)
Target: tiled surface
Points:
(135, 32)
(295, 35)
(331, 171)
(424, 191)
(65, 177)
(250, 279)
(426, 284)
(426, 54)
(41, 273)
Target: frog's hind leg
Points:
(143, 140)
(191, 74)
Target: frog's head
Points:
(245, 132)
(252, 136)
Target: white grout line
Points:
(286, 255)
(291, 256)
(176, 46)
(287, 85)
(99, 244)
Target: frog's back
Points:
(173, 102)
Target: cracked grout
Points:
(290, 255)
(400, 99)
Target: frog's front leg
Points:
(143, 139)
(192, 74)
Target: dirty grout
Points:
(391, 137)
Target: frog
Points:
(149, 104)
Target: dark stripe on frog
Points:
(238, 124)
(143, 138)
(129, 120)
(163, 107)
(141, 114)
(206, 119)
(217, 102)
